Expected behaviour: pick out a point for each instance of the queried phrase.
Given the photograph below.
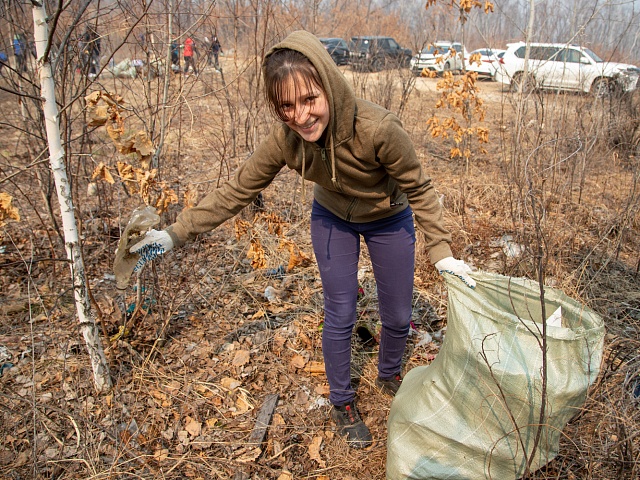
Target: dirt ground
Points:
(208, 349)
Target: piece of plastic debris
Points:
(555, 319)
(5, 366)
(276, 272)
(270, 294)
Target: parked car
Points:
(338, 49)
(484, 61)
(560, 66)
(373, 53)
(439, 57)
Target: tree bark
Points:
(86, 318)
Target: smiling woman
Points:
(369, 184)
(295, 92)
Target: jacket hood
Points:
(340, 95)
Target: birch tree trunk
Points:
(86, 319)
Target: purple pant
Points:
(391, 245)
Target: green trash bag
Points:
(473, 413)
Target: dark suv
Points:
(338, 49)
(371, 53)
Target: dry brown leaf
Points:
(101, 172)
(296, 256)
(240, 228)
(193, 427)
(241, 358)
(167, 197)
(323, 389)
(6, 209)
(127, 176)
(278, 420)
(230, 383)
(298, 361)
(158, 395)
(242, 404)
(161, 454)
(314, 451)
(190, 197)
(256, 254)
(249, 456)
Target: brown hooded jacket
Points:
(367, 169)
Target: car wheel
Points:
(446, 67)
(522, 84)
(601, 87)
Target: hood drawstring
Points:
(332, 153)
(304, 158)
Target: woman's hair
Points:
(279, 67)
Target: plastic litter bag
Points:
(454, 419)
(142, 219)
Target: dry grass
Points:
(191, 378)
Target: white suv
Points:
(439, 57)
(560, 66)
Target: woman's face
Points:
(306, 108)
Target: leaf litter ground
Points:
(208, 347)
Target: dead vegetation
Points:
(214, 338)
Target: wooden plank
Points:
(264, 419)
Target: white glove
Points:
(457, 268)
(154, 243)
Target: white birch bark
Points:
(86, 317)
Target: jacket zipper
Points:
(325, 161)
(354, 200)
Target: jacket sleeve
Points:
(253, 176)
(396, 153)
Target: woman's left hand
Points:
(457, 268)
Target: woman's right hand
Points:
(154, 243)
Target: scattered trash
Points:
(5, 354)
(142, 219)
(124, 69)
(555, 319)
(276, 272)
(635, 392)
(509, 247)
(147, 302)
(5, 366)
(425, 338)
(270, 294)
(320, 402)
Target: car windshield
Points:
(359, 44)
(436, 50)
(595, 57)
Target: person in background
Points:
(94, 51)
(175, 56)
(368, 183)
(3, 61)
(216, 50)
(19, 51)
(189, 50)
